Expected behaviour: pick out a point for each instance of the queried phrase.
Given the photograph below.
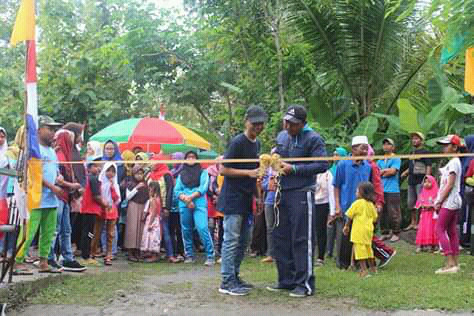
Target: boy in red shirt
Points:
(92, 206)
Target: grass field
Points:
(407, 283)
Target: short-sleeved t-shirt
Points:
(415, 179)
(348, 176)
(363, 215)
(390, 184)
(237, 192)
(50, 173)
(454, 200)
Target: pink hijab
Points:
(427, 197)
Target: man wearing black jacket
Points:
(294, 237)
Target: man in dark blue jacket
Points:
(294, 237)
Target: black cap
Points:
(296, 114)
(256, 114)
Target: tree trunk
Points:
(274, 22)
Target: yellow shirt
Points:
(363, 215)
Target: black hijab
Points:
(191, 174)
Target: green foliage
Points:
(360, 67)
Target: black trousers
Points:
(345, 252)
(259, 235)
(175, 234)
(88, 222)
(294, 240)
(76, 226)
(322, 213)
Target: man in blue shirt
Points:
(294, 236)
(236, 200)
(349, 174)
(390, 170)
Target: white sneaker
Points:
(210, 262)
(454, 269)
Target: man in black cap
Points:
(294, 237)
(235, 200)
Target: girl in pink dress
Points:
(152, 231)
(426, 237)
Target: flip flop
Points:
(22, 272)
(50, 270)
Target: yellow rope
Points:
(272, 160)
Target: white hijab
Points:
(105, 183)
(96, 147)
(4, 147)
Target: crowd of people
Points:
(100, 202)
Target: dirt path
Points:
(194, 292)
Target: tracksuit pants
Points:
(294, 240)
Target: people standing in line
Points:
(151, 239)
(294, 237)
(125, 182)
(467, 192)
(335, 223)
(236, 200)
(325, 207)
(349, 174)
(91, 207)
(426, 237)
(191, 188)
(381, 250)
(64, 143)
(362, 217)
(137, 197)
(390, 218)
(112, 153)
(269, 184)
(448, 203)
(161, 174)
(215, 217)
(110, 191)
(80, 176)
(175, 220)
(44, 218)
(416, 172)
(4, 163)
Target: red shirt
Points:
(89, 204)
(377, 182)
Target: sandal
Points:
(108, 262)
(23, 271)
(133, 259)
(50, 270)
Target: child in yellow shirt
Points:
(362, 215)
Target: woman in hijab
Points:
(191, 188)
(137, 196)
(64, 145)
(111, 152)
(161, 174)
(94, 149)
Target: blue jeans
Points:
(236, 240)
(103, 240)
(166, 236)
(63, 230)
(199, 214)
